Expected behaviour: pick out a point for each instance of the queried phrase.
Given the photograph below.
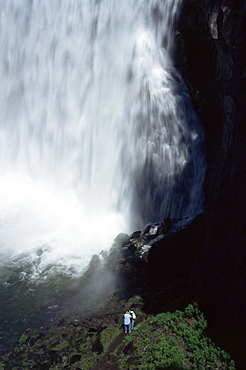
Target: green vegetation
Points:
(109, 334)
(174, 341)
(171, 340)
(23, 338)
(166, 353)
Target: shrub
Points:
(167, 354)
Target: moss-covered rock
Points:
(166, 339)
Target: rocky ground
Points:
(169, 333)
(99, 342)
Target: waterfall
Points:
(97, 131)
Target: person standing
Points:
(127, 322)
(133, 318)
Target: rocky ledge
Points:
(152, 269)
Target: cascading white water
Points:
(97, 133)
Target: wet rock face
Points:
(212, 44)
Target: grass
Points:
(169, 340)
(109, 334)
(174, 341)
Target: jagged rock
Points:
(177, 254)
(217, 73)
(97, 346)
(31, 341)
(150, 229)
(165, 226)
(136, 234)
(75, 358)
(94, 262)
(43, 365)
(129, 349)
(61, 322)
(139, 246)
(55, 356)
(121, 239)
(112, 358)
(75, 323)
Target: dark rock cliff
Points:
(211, 54)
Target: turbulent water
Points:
(97, 131)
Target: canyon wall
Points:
(211, 41)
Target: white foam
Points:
(35, 217)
